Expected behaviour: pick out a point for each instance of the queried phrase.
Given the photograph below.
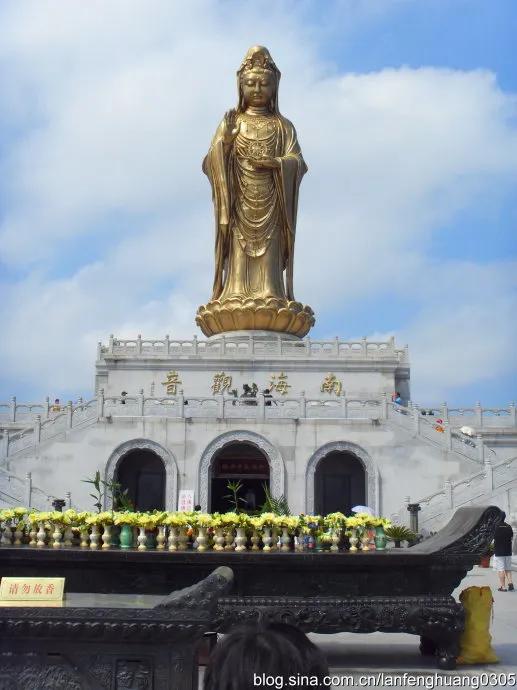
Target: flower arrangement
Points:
(105, 518)
(125, 518)
(231, 531)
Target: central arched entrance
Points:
(339, 483)
(142, 473)
(239, 462)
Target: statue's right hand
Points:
(229, 128)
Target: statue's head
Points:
(257, 80)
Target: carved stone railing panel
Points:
(237, 346)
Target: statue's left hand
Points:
(271, 163)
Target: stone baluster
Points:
(139, 344)
(220, 406)
(223, 344)
(261, 408)
(447, 490)
(28, 489)
(406, 353)
(344, 407)
(308, 346)
(69, 414)
(303, 405)
(384, 406)
(37, 430)
(111, 343)
(447, 435)
(195, 345)
(416, 418)
(13, 408)
(279, 344)
(513, 415)
(68, 499)
(364, 348)
(336, 346)
(47, 407)
(391, 345)
(99, 351)
(167, 344)
(251, 345)
(100, 403)
(445, 412)
(489, 475)
(478, 414)
(180, 399)
(481, 448)
(4, 443)
(141, 402)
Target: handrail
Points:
(231, 346)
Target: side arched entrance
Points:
(341, 475)
(148, 472)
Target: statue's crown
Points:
(258, 57)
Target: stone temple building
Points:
(258, 401)
(320, 429)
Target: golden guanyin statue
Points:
(255, 167)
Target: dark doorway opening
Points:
(339, 483)
(241, 462)
(142, 473)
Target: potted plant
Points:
(126, 520)
(335, 523)
(202, 522)
(288, 524)
(380, 526)
(399, 533)
(485, 559)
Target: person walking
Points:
(503, 555)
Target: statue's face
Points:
(258, 87)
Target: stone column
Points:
(100, 403)
(37, 429)
(413, 509)
(478, 414)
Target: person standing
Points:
(503, 555)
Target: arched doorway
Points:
(142, 473)
(238, 462)
(339, 483)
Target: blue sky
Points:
(407, 115)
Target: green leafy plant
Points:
(233, 497)
(97, 483)
(399, 533)
(278, 506)
(117, 496)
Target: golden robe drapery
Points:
(255, 209)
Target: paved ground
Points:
(354, 654)
(361, 658)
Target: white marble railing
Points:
(228, 407)
(15, 490)
(438, 433)
(21, 412)
(260, 409)
(74, 416)
(478, 416)
(478, 488)
(236, 347)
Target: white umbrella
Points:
(362, 509)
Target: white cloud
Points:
(115, 106)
